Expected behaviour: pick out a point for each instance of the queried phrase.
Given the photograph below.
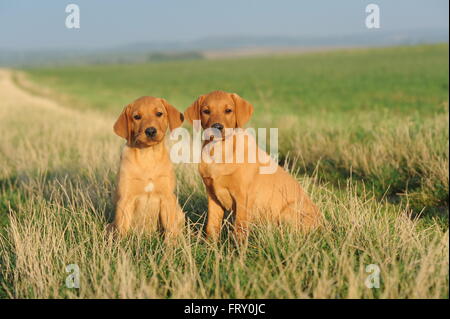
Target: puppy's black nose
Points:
(150, 131)
(217, 126)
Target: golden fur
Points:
(146, 182)
(239, 187)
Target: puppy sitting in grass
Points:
(239, 186)
(145, 198)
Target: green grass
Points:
(365, 132)
(397, 80)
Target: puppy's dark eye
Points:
(228, 110)
(159, 114)
(206, 111)
(137, 117)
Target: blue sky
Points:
(30, 24)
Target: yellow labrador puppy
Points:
(146, 182)
(240, 187)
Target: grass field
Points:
(365, 131)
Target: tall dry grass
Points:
(57, 173)
(401, 157)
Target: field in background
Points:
(378, 115)
(365, 130)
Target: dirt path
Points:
(40, 134)
(12, 96)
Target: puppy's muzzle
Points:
(150, 132)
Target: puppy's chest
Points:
(145, 183)
(153, 185)
(149, 186)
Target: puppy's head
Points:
(144, 122)
(220, 110)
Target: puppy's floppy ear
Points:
(244, 110)
(192, 113)
(175, 117)
(122, 127)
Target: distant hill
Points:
(370, 38)
(168, 50)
